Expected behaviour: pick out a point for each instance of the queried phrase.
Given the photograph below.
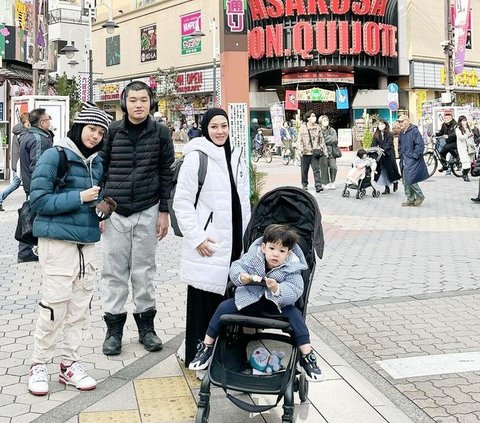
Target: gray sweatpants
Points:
(128, 252)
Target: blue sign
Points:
(393, 106)
(392, 88)
(342, 98)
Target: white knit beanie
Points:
(92, 115)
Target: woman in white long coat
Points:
(465, 145)
(213, 231)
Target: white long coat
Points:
(213, 215)
(463, 140)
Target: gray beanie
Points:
(92, 115)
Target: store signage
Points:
(316, 94)
(188, 25)
(84, 88)
(189, 82)
(462, 10)
(235, 16)
(148, 43)
(302, 77)
(314, 31)
(109, 92)
(468, 78)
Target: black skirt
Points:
(201, 305)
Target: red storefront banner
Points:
(291, 100)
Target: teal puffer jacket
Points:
(60, 212)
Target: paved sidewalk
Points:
(393, 283)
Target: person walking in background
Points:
(32, 145)
(18, 131)
(465, 145)
(414, 169)
(387, 173)
(194, 131)
(313, 150)
(183, 136)
(328, 165)
(66, 225)
(287, 135)
(447, 132)
(213, 226)
(137, 156)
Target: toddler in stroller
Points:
(231, 366)
(359, 177)
(268, 278)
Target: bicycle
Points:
(432, 158)
(264, 152)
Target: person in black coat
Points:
(387, 170)
(447, 132)
(137, 156)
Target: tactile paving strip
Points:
(157, 410)
(125, 416)
(162, 387)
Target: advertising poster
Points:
(113, 50)
(188, 24)
(148, 43)
(278, 117)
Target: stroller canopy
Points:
(294, 207)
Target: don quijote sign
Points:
(297, 27)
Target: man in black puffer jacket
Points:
(137, 155)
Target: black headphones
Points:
(123, 96)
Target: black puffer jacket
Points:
(138, 174)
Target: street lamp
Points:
(69, 50)
(197, 36)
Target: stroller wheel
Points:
(202, 414)
(358, 195)
(375, 193)
(302, 387)
(347, 193)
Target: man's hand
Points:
(90, 194)
(245, 278)
(162, 225)
(272, 285)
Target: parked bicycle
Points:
(264, 152)
(433, 159)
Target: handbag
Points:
(336, 152)
(475, 167)
(24, 230)
(316, 152)
(471, 147)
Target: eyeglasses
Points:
(46, 119)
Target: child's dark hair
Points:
(280, 233)
(361, 153)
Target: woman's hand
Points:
(206, 249)
(90, 194)
(272, 285)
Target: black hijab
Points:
(236, 205)
(75, 134)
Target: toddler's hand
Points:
(245, 278)
(272, 285)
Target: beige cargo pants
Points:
(67, 289)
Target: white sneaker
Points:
(38, 379)
(77, 376)
(332, 186)
(328, 186)
(181, 352)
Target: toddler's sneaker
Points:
(38, 379)
(309, 364)
(203, 357)
(77, 376)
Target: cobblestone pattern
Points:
(416, 328)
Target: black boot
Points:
(395, 186)
(387, 190)
(146, 330)
(113, 340)
(465, 176)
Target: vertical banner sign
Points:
(239, 131)
(291, 100)
(188, 25)
(84, 88)
(342, 98)
(148, 43)
(278, 117)
(462, 8)
(235, 16)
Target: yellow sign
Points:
(468, 78)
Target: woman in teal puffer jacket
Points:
(67, 227)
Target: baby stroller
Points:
(365, 182)
(230, 367)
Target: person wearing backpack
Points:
(138, 154)
(67, 227)
(32, 145)
(212, 225)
